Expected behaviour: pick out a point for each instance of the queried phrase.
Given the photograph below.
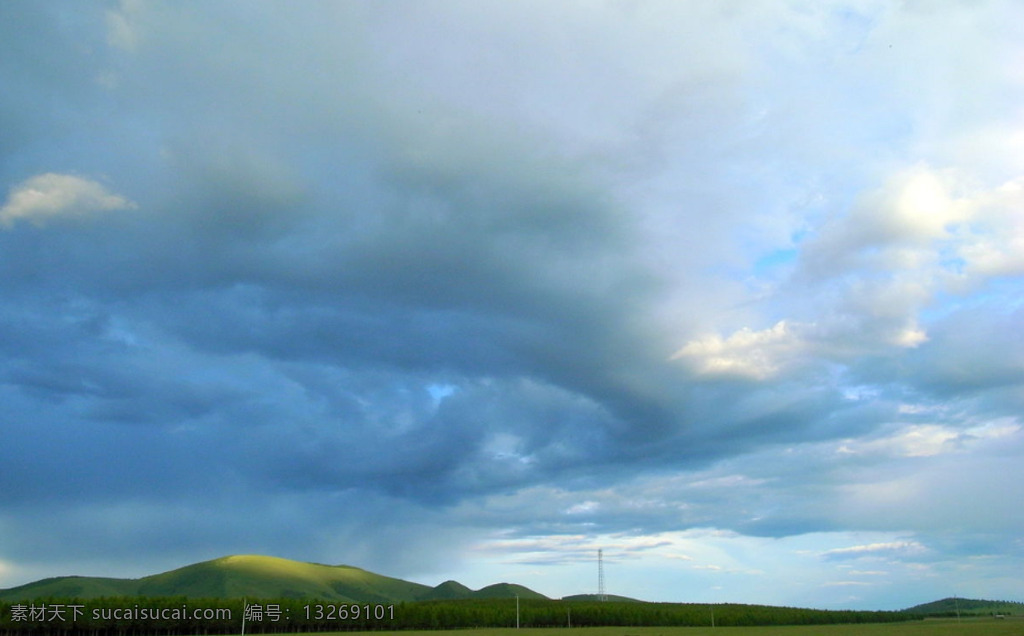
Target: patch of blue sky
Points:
(772, 261)
(1003, 296)
(854, 28)
(438, 392)
(952, 263)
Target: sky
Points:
(730, 290)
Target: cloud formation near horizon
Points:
(458, 289)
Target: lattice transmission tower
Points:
(600, 576)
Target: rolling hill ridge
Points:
(967, 607)
(257, 576)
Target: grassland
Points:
(930, 627)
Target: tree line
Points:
(165, 616)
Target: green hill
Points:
(257, 576)
(272, 577)
(968, 607)
(596, 597)
(448, 590)
(507, 590)
(70, 587)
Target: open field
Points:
(931, 627)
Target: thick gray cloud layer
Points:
(358, 284)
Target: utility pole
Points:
(517, 611)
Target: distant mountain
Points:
(596, 597)
(967, 606)
(447, 590)
(70, 587)
(507, 590)
(450, 590)
(261, 577)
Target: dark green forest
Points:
(161, 616)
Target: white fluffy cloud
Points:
(865, 277)
(51, 195)
(754, 354)
(875, 550)
(996, 245)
